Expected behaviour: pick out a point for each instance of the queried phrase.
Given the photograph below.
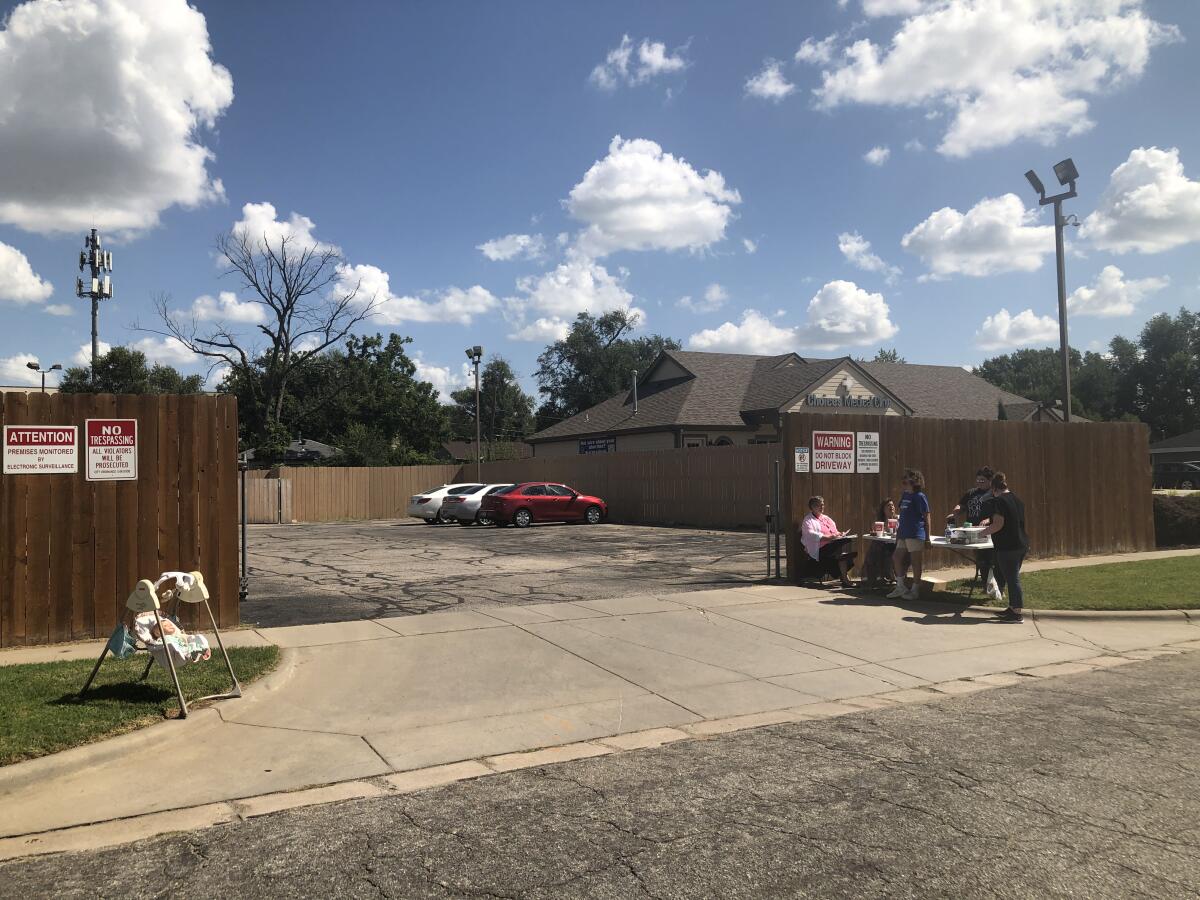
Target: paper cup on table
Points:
(893, 524)
(877, 528)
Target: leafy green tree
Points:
(507, 411)
(888, 355)
(592, 363)
(363, 399)
(124, 371)
(1036, 374)
(1167, 374)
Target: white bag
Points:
(993, 589)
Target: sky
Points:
(827, 177)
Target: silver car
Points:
(464, 508)
(428, 505)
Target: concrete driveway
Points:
(305, 574)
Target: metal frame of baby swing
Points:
(183, 704)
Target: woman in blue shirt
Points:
(913, 532)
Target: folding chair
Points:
(189, 588)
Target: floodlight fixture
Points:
(1066, 172)
(1035, 182)
(33, 365)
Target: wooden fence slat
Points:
(126, 525)
(38, 525)
(108, 592)
(149, 486)
(16, 547)
(62, 502)
(228, 544)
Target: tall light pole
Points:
(1067, 175)
(37, 367)
(98, 287)
(475, 354)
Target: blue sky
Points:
(410, 135)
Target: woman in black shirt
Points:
(1007, 529)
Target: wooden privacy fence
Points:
(711, 487)
(71, 550)
(1086, 486)
(706, 487)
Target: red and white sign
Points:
(111, 449)
(833, 451)
(41, 449)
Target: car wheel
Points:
(483, 520)
(522, 518)
(593, 515)
(1187, 485)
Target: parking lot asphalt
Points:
(338, 572)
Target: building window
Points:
(722, 441)
(691, 441)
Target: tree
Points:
(124, 371)
(300, 308)
(592, 363)
(1036, 374)
(363, 399)
(1166, 374)
(889, 356)
(507, 410)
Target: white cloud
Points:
(878, 8)
(857, 251)
(914, 145)
(443, 378)
(640, 198)
(59, 309)
(769, 83)
(13, 370)
(1112, 295)
(714, 298)
(751, 246)
(514, 246)
(996, 235)
(877, 156)
(101, 109)
(454, 305)
(543, 331)
(167, 351)
(842, 314)
(84, 356)
(1003, 331)
(1002, 69)
(818, 52)
(627, 65)
(755, 334)
(226, 308)
(1150, 205)
(262, 225)
(18, 282)
(553, 299)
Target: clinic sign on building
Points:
(41, 449)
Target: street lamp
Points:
(37, 367)
(1067, 175)
(475, 354)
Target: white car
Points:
(464, 508)
(428, 505)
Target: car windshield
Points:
(465, 489)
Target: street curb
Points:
(104, 750)
(237, 811)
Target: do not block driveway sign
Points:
(111, 449)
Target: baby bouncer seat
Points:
(145, 627)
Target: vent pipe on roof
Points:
(635, 392)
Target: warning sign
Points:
(868, 452)
(111, 449)
(833, 451)
(40, 449)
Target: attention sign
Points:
(111, 449)
(833, 451)
(40, 449)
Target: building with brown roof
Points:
(694, 399)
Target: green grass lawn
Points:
(1146, 584)
(41, 713)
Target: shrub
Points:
(1177, 520)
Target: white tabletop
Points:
(880, 538)
(946, 542)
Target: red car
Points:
(541, 501)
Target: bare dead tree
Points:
(304, 312)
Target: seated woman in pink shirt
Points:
(823, 541)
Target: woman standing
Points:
(822, 540)
(914, 531)
(1007, 529)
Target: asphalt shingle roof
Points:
(1187, 439)
(727, 384)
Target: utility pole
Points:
(1067, 175)
(475, 354)
(98, 287)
